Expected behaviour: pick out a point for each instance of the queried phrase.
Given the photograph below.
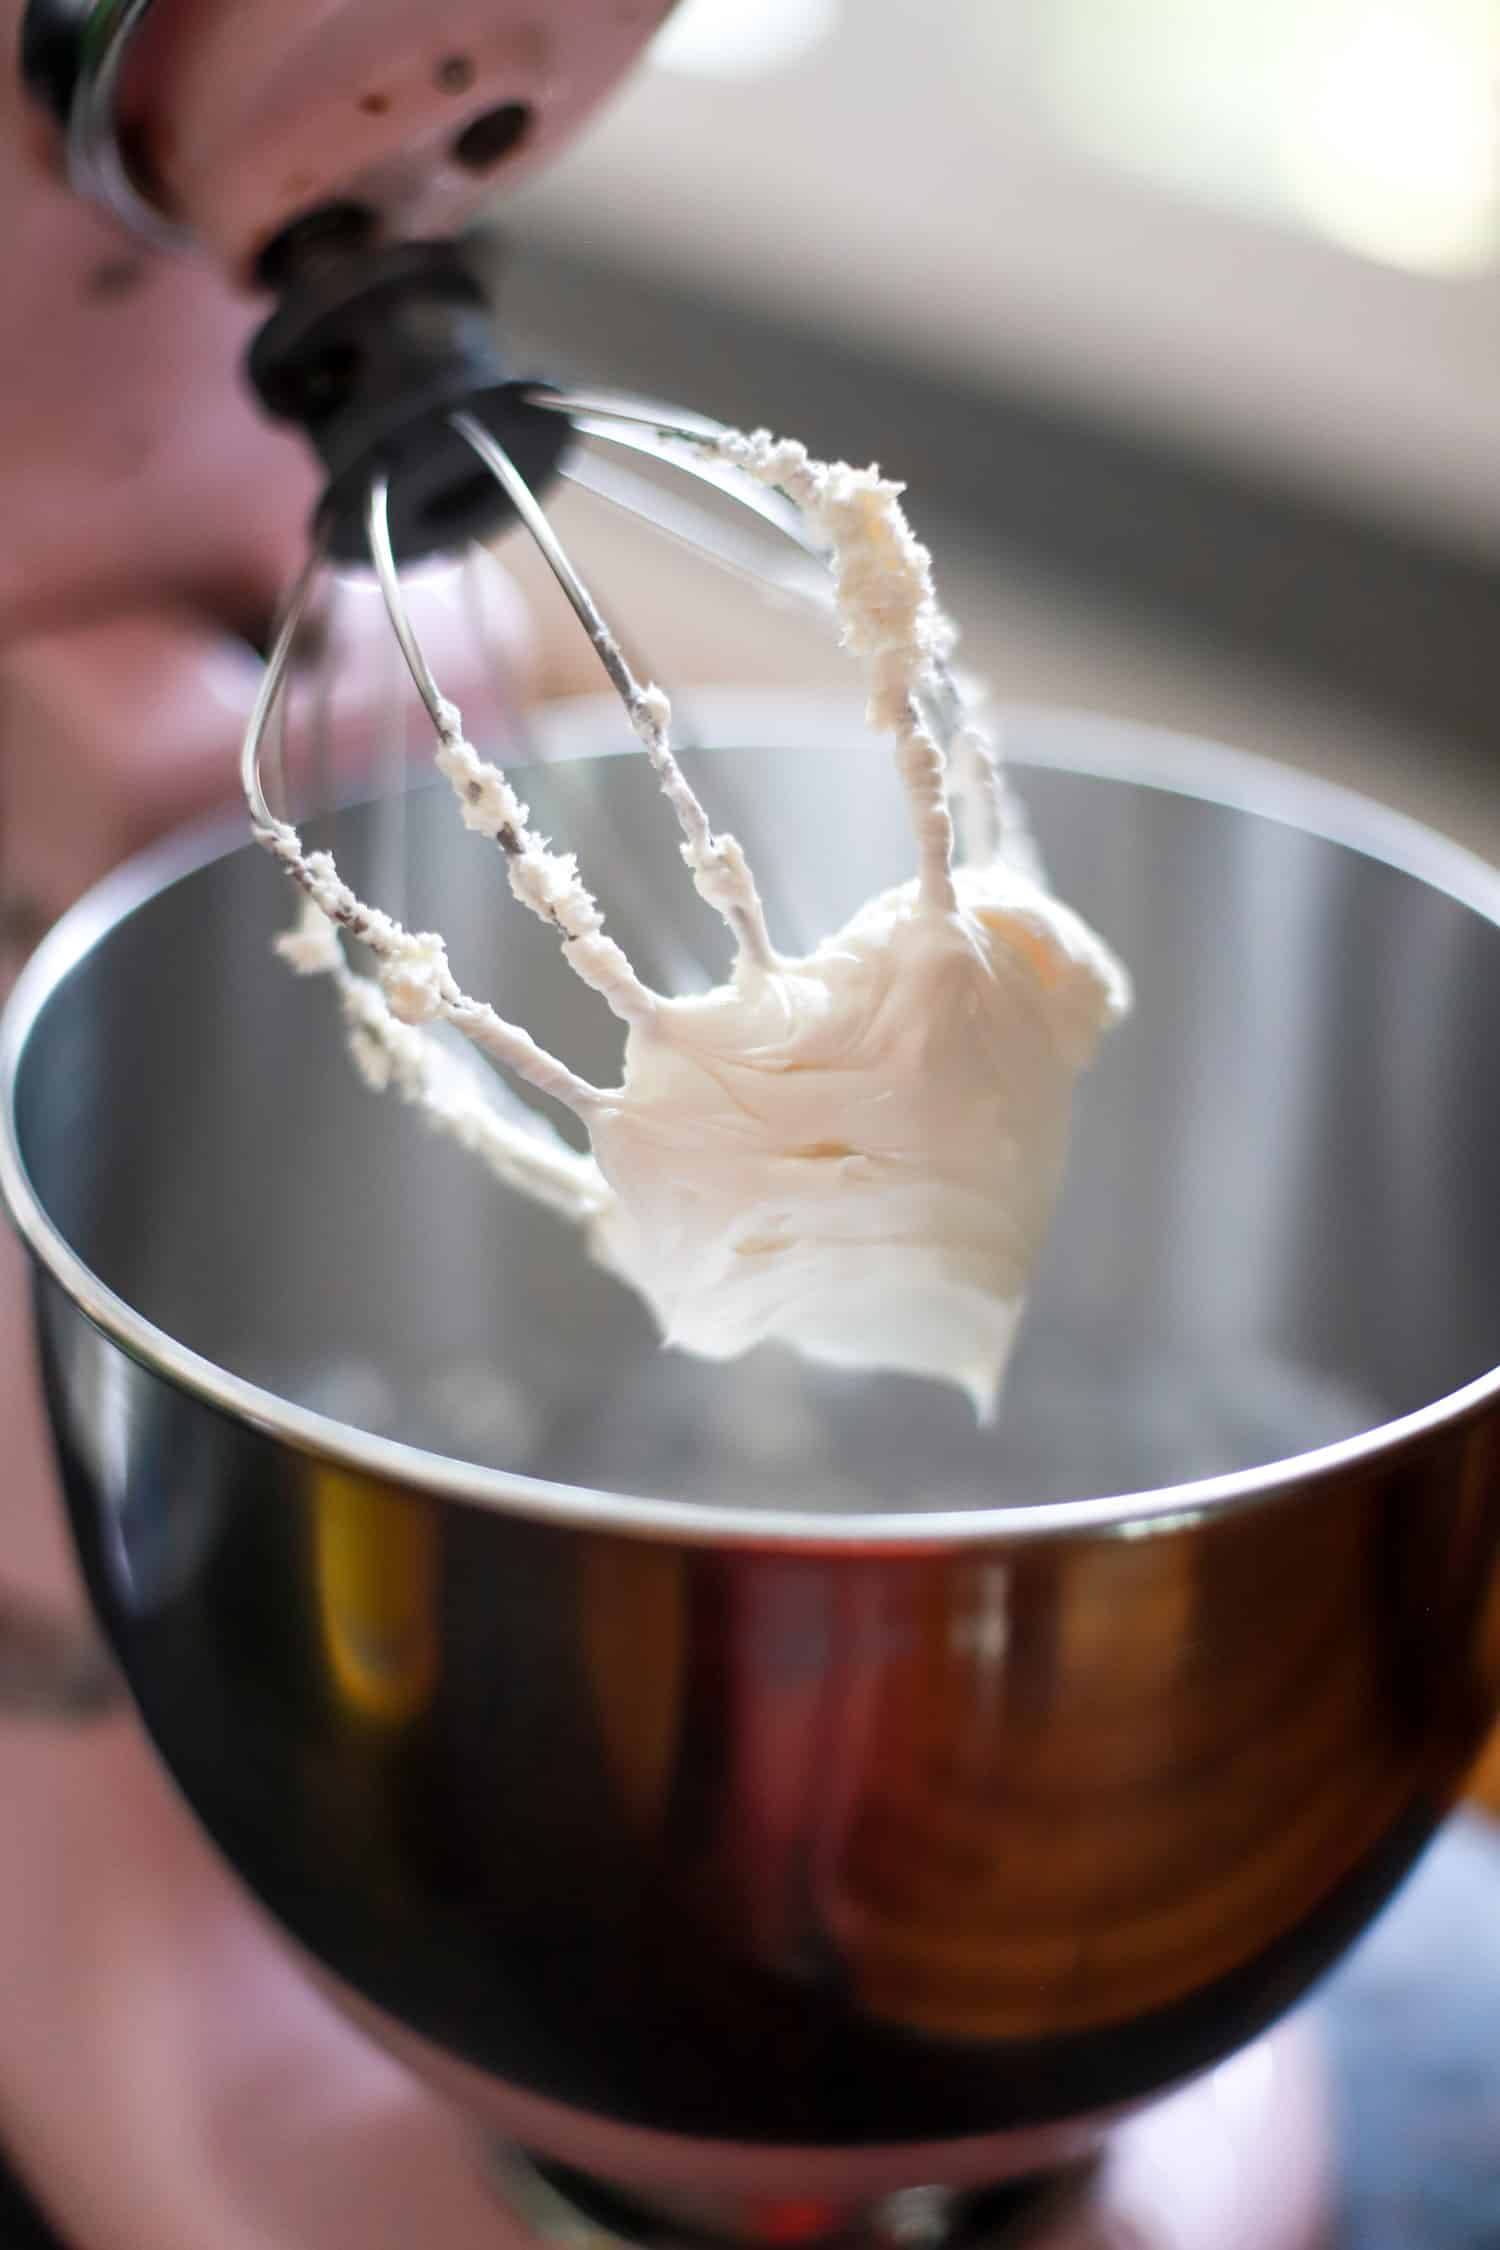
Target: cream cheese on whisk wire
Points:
(856, 1151)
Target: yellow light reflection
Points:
(377, 1580)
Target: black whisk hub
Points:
(371, 351)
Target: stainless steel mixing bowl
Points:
(725, 1761)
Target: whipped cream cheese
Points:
(858, 1152)
(855, 1151)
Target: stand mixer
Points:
(154, 516)
(765, 1876)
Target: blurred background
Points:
(1180, 316)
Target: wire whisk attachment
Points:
(414, 986)
(720, 1138)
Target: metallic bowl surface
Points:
(746, 1754)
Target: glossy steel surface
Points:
(749, 1755)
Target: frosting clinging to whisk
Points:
(853, 1151)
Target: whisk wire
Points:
(697, 448)
(800, 578)
(718, 868)
(667, 435)
(683, 442)
(555, 555)
(382, 554)
(321, 764)
(268, 695)
(390, 832)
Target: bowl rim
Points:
(1056, 737)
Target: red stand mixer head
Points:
(133, 467)
(226, 125)
(151, 154)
